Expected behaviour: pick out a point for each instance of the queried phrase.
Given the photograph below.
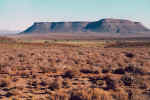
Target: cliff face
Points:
(104, 25)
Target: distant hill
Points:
(46, 27)
(104, 25)
(116, 26)
(3, 32)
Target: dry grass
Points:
(73, 71)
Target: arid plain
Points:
(74, 70)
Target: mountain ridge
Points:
(103, 25)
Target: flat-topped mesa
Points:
(67, 26)
(104, 25)
(115, 21)
(116, 26)
(47, 27)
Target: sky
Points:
(20, 14)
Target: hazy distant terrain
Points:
(8, 32)
(78, 36)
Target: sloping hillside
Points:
(104, 25)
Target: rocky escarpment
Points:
(104, 25)
(116, 26)
(46, 27)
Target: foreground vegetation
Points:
(75, 70)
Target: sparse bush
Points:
(43, 83)
(90, 94)
(143, 85)
(20, 55)
(46, 42)
(59, 96)
(56, 84)
(119, 71)
(80, 53)
(4, 83)
(127, 80)
(45, 69)
(89, 62)
(9, 94)
(11, 58)
(24, 74)
(67, 83)
(120, 95)
(105, 70)
(89, 71)
(33, 84)
(129, 55)
(70, 73)
(65, 71)
(134, 69)
(100, 82)
(111, 84)
(137, 95)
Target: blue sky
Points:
(20, 14)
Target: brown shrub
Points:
(137, 95)
(90, 94)
(33, 84)
(4, 83)
(9, 94)
(24, 74)
(111, 83)
(127, 80)
(56, 84)
(20, 55)
(67, 83)
(45, 69)
(119, 71)
(105, 70)
(59, 96)
(120, 95)
(43, 83)
(129, 55)
(89, 71)
(134, 69)
(70, 73)
(100, 82)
